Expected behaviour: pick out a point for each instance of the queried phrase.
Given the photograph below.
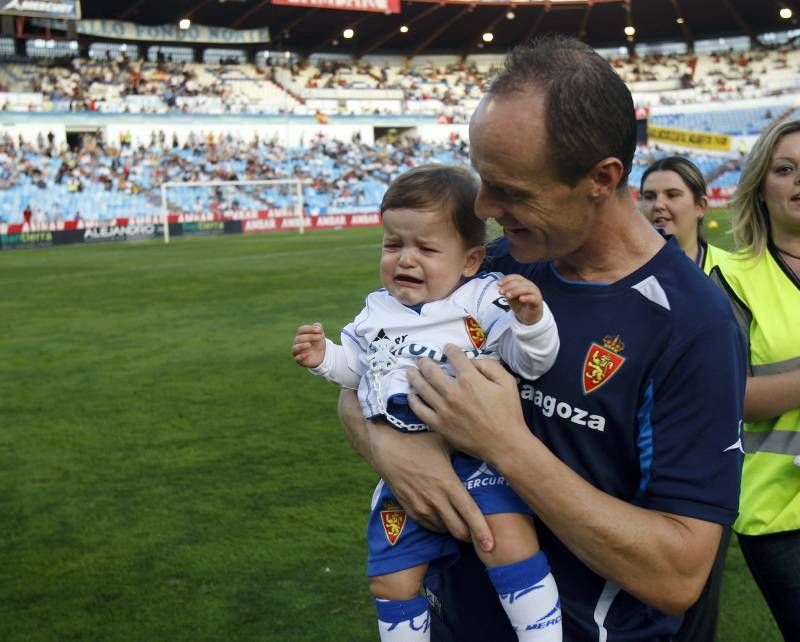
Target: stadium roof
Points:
(458, 27)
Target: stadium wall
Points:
(294, 130)
(22, 236)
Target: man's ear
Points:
(474, 259)
(605, 177)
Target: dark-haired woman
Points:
(674, 198)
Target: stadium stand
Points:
(738, 121)
(122, 180)
(733, 93)
(433, 85)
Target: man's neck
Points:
(621, 242)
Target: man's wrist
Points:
(374, 443)
(515, 461)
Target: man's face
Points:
(542, 217)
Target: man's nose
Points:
(485, 206)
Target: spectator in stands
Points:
(742, 148)
(763, 281)
(553, 141)
(27, 214)
(37, 179)
(674, 198)
(74, 184)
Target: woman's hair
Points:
(750, 215)
(691, 176)
(448, 189)
(683, 167)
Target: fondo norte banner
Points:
(64, 9)
(688, 138)
(172, 33)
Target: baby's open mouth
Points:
(404, 278)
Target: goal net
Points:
(196, 201)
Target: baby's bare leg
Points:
(402, 585)
(515, 539)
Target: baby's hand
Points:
(524, 298)
(308, 348)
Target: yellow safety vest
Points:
(766, 302)
(712, 255)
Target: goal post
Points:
(204, 200)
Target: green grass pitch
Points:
(166, 472)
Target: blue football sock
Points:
(529, 597)
(404, 621)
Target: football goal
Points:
(231, 200)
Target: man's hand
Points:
(417, 468)
(478, 411)
(523, 296)
(308, 348)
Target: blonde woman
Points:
(763, 282)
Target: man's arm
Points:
(661, 558)
(417, 468)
